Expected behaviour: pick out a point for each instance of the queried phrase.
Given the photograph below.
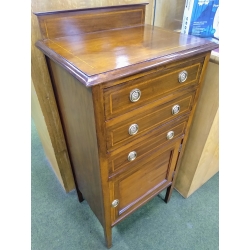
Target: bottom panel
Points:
(153, 174)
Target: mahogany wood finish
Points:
(140, 48)
(93, 69)
(60, 24)
(117, 135)
(116, 98)
(120, 160)
(148, 178)
(81, 141)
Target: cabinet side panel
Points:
(77, 114)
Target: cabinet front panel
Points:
(153, 174)
(143, 180)
(119, 133)
(136, 93)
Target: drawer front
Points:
(120, 132)
(122, 161)
(134, 188)
(122, 98)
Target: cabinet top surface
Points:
(106, 55)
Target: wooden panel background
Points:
(43, 132)
(45, 115)
(201, 157)
(169, 13)
(209, 160)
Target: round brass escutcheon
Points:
(183, 76)
(132, 155)
(170, 135)
(135, 95)
(115, 203)
(176, 109)
(133, 129)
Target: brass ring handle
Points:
(115, 203)
(176, 109)
(132, 155)
(183, 76)
(170, 135)
(135, 95)
(133, 129)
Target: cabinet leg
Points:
(80, 196)
(168, 193)
(108, 237)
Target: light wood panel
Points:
(200, 159)
(41, 127)
(51, 130)
(208, 164)
(169, 13)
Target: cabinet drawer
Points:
(134, 188)
(121, 161)
(119, 132)
(117, 99)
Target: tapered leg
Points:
(168, 193)
(108, 236)
(80, 196)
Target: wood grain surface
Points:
(117, 134)
(169, 14)
(81, 141)
(60, 24)
(139, 185)
(208, 164)
(152, 86)
(108, 55)
(120, 160)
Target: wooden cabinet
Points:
(126, 93)
(44, 110)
